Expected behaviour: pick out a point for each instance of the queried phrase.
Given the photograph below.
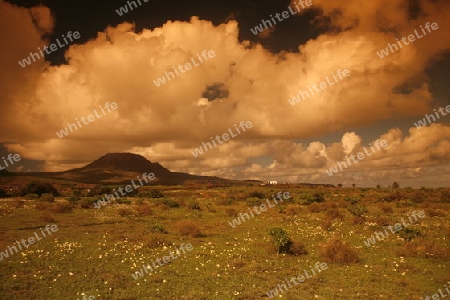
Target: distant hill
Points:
(123, 167)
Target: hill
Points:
(123, 167)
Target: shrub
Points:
(358, 220)
(315, 208)
(227, 201)
(326, 224)
(445, 195)
(156, 228)
(17, 203)
(144, 210)
(156, 194)
(338, 252)
(318, 197)
(292, 210)
(88, 202)
(210, 208)
(307, 199)
(350, 199)
(421, 247)
(281, 239)
(188, 228)
(194, 205)
(60, 207)
(47, 198)
(31, 196)
(47, 217)
(125, 212)
(42, 205)
(156, 240)
(171, 203)
(357, 210)
(258, 195)
(334, 214)
(382, 221)
(298, 248)
(435, 213)
(386, 209)
(409, 234)
(3, 193)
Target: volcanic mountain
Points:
(123, 167)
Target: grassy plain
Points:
(95, 251)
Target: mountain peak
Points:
(128, 162)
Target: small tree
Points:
(339, 185)
(395, 185)
(281, 239)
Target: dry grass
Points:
(421, 247)
(337, 251)
(386, 209)
(356, 220)
(46, 217)
(188, 228)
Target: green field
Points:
(95, 251)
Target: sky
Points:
(242, 77)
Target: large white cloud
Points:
(165, 123)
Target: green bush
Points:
(357, 209)
(31, 196)
(351, 199)
(307, 199)
(409, 234)
(281, 239)
(156, 228)
(258, 195)
(170, 202)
